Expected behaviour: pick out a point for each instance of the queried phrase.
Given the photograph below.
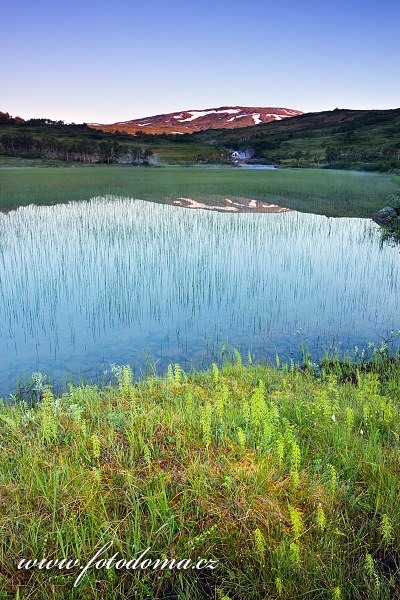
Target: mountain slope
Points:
(360, 139)
(188, 121)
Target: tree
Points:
(109, 150)
(332, 155)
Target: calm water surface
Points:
(87, 284)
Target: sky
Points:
(86, 61)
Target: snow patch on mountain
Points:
(237, 117)
(202, 113)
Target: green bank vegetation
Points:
(390, 225)
(289, 481)
(333, 193)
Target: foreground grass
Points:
(290, 482)
(332, 193)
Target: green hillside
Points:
(356, 139)
(51, 142)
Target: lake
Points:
(119, 280)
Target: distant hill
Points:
(188, 121)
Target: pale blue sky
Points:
(105, 62)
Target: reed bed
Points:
(86, 284)
(333, 193)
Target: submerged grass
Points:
(75, 281)
(333, 193)
(289, 481)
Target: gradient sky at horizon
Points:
(101, 62)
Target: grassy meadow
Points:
(333, 193)
(289, 481)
